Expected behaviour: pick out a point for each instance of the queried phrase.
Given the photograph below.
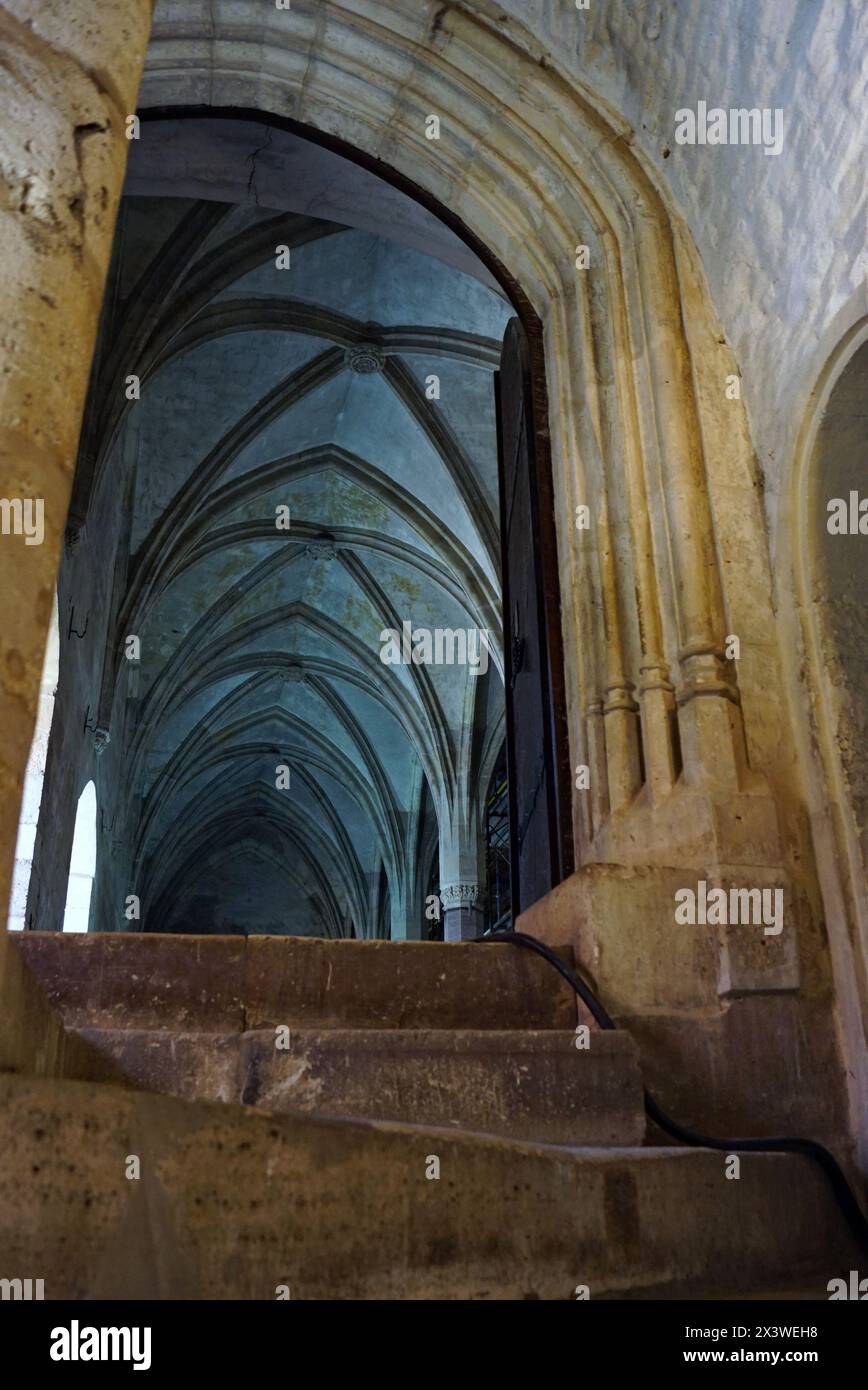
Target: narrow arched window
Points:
(82, 863)
(34, 776)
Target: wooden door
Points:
(541, 844)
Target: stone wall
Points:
(69, 78)
(839, 473)
(781, 238)
(559, 129)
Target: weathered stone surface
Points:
(621, 925)
(137, 980)
(232, 1203)
(687, 490)
(728, 1049)
(753, 1068)
(523, 1085)
(33, 1039)
(404, 984)
(638, 415)
(229, 984)
(189, 1065)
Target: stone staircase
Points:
(351, 1119)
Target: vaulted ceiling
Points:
(353, 388)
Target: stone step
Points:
(232, 1203)
(235, 984)
(526, 1085)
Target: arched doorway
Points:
(656, 715)
(299, 415)
(656, 498)
(650, 692)
(838, 505)
(823, 608)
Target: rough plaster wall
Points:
(782, 239)
(839, 587)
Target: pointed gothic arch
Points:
(531, 165)
(824, 699)
(527, 167)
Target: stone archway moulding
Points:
(531, 168)
(839, 860)
(687, 777)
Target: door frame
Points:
(547, 580)
(543, 548)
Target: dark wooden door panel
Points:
(538, 770)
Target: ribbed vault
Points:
(353, 388)
(536, 168)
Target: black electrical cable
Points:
(844, 1194)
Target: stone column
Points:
(709, 712)
(596, 736)
(462, 868)
(619, 707)
(462, 917)
(69, 79)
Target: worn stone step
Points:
(232, 984)
(232, 1202)
(527, 1085)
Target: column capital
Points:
(459, 895)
